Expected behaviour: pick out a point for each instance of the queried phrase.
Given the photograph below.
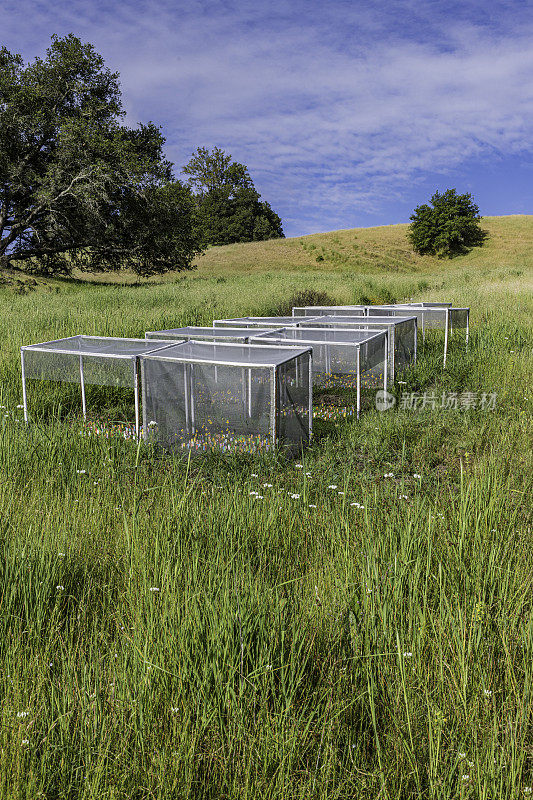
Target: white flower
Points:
(267, 485)
(308, 474)
(268, 666)
(174, 709)
(253, 494)
(295, 496)
(154, 588)
(528, 789)
(416, 475)
(461, 755)
(389, 475)
(487, 692)
(20, 406)
(22, 714)
(60, 554)
(311, 505)
(258, 497)
(298, 466)
(465, 777)
(332, 486)
(340, 492)
(81, 471)
(356, 505)
(25, 741)
(470, 763)
(254, 474)
(407, 655)
(60, 587)
(152, 423)
(403, 497)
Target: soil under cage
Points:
(401, 335)
(200, 396)
(196, 333)
(88, 360)
(342, 359)
(257, 322)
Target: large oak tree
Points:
(78, 188)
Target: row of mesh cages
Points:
(199, 396)
(401, 335)
(190, 333)
(342, 359)
(258, 322)
(88, 360)
(430, 316)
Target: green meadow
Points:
(357, 623)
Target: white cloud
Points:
(330, 115)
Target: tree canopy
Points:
(447, 227)
(228, 207)
(77, 187)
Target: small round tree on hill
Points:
(448, 227)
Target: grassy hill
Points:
(358, 624)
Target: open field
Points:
(167, 634)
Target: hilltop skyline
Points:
(345, 117)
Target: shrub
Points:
(448, 227)
(305, 297)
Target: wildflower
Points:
(487, 692)
(25, 741)
(154, 589)
(461, 755)
(268, 666)
(174, 709)
(152, 423)
(60, 554)
(258, 497)
(470, 763)
(267, 485)
(254, 474)
(253, 494)
(403, 497)
(407, 655)
(389, 475)
(311, 505)
(22, 714)
(81, 471)
(340, 492)
(332, 486)
(465, 777)
(308, 474)
(357, 505)
(528, 789)
(295, 496)
(416, 475)
(299, 466)
(19, 406)
(60, 587)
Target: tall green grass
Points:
(165, 633)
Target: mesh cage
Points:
(198, 396)
(102, 361)
(334, 352)
(195, 333)
(403, 342)
(319, 311)
(294, 422)
(256, 322)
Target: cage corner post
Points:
(24, 394)
(311, 395)
(274, 406)
(446, 329)
(386, 361)
(136, 397)
(82, 385)
(358, 380)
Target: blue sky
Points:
(346, 113)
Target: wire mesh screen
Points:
(459, 317)
(318, 311)
(372, 360)
(403, 342)
(103, 361)
(294, 406)
(198, 407)
(256, 322)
